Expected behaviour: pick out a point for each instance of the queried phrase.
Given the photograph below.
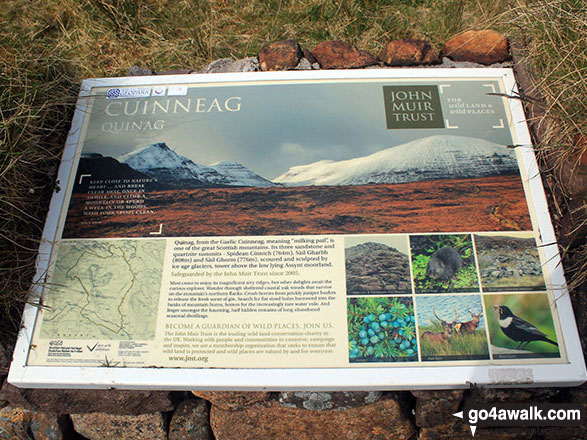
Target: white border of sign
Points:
(437, 377)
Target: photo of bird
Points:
(519, 330)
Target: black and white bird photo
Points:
(522, 326)
(518, 329)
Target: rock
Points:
(328, 400)
(233, 400)
(272, 421)
(435, 407)
(408, 53)
(18, 423)
(341, 55)
(562, 432)
(457, 429)
(448, 63)
(5, 358)
(514, 395)
(47, 426)
(14, 423)
(580, 143)
(139, 71)
(572, 175)
(186, 71)
(485, 47)
(304, 64)
(102, 426)
(55, 401)
(435, 412)
(226, 65)
(281, 55)
(438, 394)
(190, 421)
(308, 55)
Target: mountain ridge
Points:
(434, 157)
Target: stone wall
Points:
(207, 415)
(201, 415)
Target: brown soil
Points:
(449, 205)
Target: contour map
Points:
(107, 289)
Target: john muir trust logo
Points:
(412, 107)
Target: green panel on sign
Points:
(412, 107)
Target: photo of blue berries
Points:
(382, 329)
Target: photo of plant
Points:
(382, 329)
(521, 326)
(452, 327)
(443, 263)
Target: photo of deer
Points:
(451, 327)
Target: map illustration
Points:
(107, 289)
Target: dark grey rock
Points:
(190, 421)
(139, 71)
(55, 401)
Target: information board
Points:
(374, 229)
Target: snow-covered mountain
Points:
(434, 157)
(162, 163)
(236, 174)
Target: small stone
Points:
(485, 47)
(408, 53)
(219, 66)
(233, 400)
(190, 421)
(227, 65)
(250, 64)
(304, 64)
(176, 72)
(281, 55)
(270, 421)
(139, 71)
(341, 55)
(448, 63)
(102, 426)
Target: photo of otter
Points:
(521, 326)
(509, 262)
(452, 327)
(443, 263)
(377, 265)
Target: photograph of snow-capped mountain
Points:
(436, 183)
(324, 163)
(434, 157)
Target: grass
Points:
(48, 46)
(474, 345)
